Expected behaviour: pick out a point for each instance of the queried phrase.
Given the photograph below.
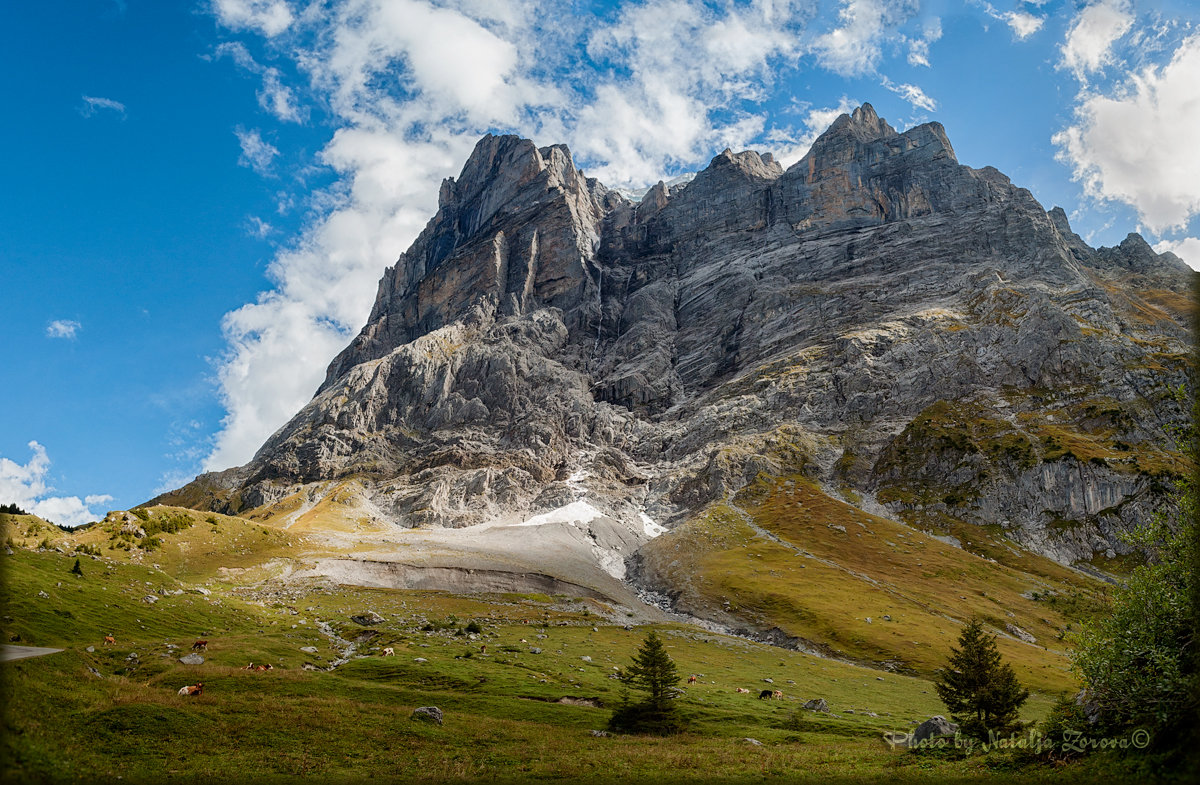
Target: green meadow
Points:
(510, 713)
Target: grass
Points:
(506, 719)
(832, 567)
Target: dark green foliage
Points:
(653, 671)
(979, 689)
(474, 627)
(12, 509)
(77, 569)
(1138, 660)
(141, 514)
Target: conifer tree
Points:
(77, 569)
(979, 689)
(654, 671)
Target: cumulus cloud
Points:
(1187, 249)
(1136, 144)
(269, 17)
(257, 153)
(1089, 44)
(856, 45)
(25, 485)
(93, 104)
(62, 328)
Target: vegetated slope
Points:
(785, 562)
(521, 708)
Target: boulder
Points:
(428, 714)
(367, 619)
(192, 659)
(932, 727)
(817, 704)
(309, 649)
(1019, 633)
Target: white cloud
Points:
(257, 153)
(856, 46)
(274, 96)
(1023, 24)
(62, 328)
(93, 104)
(25, 485)
(918, 48)
(257, 227)
(1187, 249)
(1137, 145)
(269, 17)
(1089, 43)
(911, 93)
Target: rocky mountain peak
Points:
(879, 318)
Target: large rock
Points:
(367, 619)
(428, 714)
(817, 704)
(192, 659)
(933, 727)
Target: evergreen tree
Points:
(979, 689)
(653, 671)
(77, 570)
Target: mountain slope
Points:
(911, 336)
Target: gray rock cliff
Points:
(878, 316)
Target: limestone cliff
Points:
(919, 337)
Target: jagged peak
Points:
(863, 123)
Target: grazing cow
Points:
(692, 679)
(483, 649)
(765, 695)
(389, 652)
(109, 639)
(743, 689)
(193, 690)
(200, 646)
(777, 694)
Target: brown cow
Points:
(777, 694)
(692, 679)
(264, 667)
(200, 646)
(743, 689)
(192, 691)
(389, 652)
(109, 639)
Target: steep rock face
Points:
(543, 328)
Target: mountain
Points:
(553, 375)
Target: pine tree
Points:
(77, 569)
(979, 689)
(654, 671)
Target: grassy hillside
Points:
(510, 713)
(783, 554)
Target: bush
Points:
(474, 627)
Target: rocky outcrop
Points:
(544, 329)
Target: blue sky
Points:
(199, 197)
